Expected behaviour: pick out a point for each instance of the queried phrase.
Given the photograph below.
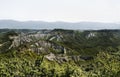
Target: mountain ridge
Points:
(13, 24)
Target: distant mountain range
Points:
(12, 24)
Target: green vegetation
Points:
(90, 54)
(91, 42)
(28, 63)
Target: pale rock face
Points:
(56, 37)
(0, 45)
(39, 46)
(42, 42)
(50, 57)
(24, 38)
(91, 35)
(37, 43)
(57, 58)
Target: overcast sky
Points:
(61, 10)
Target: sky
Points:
(61, 10)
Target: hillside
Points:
(59, 53)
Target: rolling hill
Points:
(12, 24)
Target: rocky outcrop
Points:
(27, 38)
(40, 42)
(57, 58)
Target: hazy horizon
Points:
(56, 21)
(12, 24)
